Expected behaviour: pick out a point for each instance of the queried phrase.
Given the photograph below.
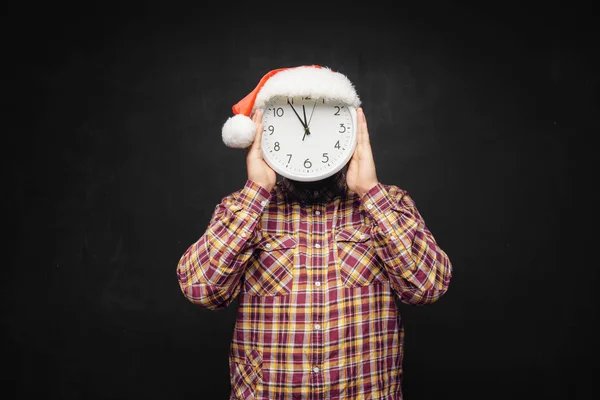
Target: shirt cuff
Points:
(253, 197)
(377, 201)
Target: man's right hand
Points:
(258, 170)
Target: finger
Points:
(257, 116)
(256, 144)
(355, 155)
(363, 129)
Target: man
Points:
(316, 268)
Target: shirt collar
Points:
(316, 192)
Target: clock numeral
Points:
(271, 129)
(307, 163)
(325, 158)
(289, 158)
(337, 110)
(276, 146)
(277, 111)
(337, 144)
(342, 128)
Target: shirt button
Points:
(318, 212)
(369, 206)
(316, 369)
(243, 234)
(317, 245)
(264, 202)
(268, 245)
(317, 326)
(317, 283)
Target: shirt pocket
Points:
(245, 374)
(357, 259)
(271, 268)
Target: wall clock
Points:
(307, 139)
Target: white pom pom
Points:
(238, 131)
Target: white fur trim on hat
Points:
(309, 81)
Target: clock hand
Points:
(311, 114)
(306, 129)
(300, 119)
(304, 112)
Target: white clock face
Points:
(306, 139)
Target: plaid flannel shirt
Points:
(316, 279)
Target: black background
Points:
(113, 149)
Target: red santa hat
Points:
(307, 80)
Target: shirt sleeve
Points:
(209, 272)
(418, 269)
